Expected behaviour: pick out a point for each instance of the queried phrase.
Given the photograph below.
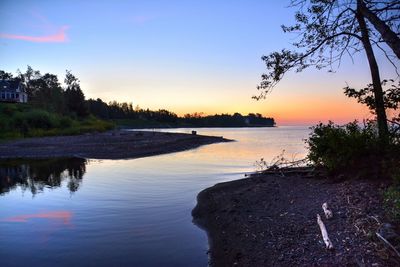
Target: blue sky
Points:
(185, 56)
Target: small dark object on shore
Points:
(194, 132)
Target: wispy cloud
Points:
(50, 33)
(59, 37)
(141, 19)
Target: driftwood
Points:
(327, 211)
(324, 233)
(388, 243)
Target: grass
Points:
(24, 120)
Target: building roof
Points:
(9, 85)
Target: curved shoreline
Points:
(269, 220)
(108, 145)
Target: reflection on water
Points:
(126, 212)
(61, 216)
(34, 175)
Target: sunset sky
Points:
(184, 56)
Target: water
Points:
(75, 212)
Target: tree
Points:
(26, 78)
(329, 30)
(74, 97)
(379, 13)
(46, 92)
(5, 75)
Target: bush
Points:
(8, 109)
(35, 119)
(342, 148)
(392, 202)
(65, 122)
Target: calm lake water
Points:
(75, 212)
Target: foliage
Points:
(74, 97)
(338, 148)
(329, 30)
(56, 108)
(53, 109)
(391, 96)
(392, 202)
(354, 150)
(125, 114)
(22, 120)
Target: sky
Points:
(184, 56)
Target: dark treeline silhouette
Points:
(45, 91)
(165, 118)
(227, 120)
(35, 175)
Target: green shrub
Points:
(338, 148)
(392, 202)
(17, 120)
(65, 122)
(39, 119)
(8, 109)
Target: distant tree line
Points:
(47, 92)
(126, 111)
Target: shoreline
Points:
(269, 220)
(108, 145)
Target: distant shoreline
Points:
(192, 127)
(118, 144)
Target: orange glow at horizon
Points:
(300, 99)
(304, 112)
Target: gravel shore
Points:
(108, 145)
(269, 220)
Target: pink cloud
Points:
(58, 37)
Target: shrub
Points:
(41, 119)
(65, 122)
(8, 109)
(338, 148)
(392, 202)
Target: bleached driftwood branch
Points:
(324, 233)
(327, 211)
(388, 243)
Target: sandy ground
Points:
(268, 220)
(109, 145)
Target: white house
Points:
(12, 91)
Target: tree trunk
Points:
(376, 80)
(390, 37)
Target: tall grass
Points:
(23, 120)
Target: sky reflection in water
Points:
(127, 212)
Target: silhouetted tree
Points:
(384, 16)
(330, 30)
(26, 78)
(98, 108)
(5, 75)
(46, 92)
(74, 97)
